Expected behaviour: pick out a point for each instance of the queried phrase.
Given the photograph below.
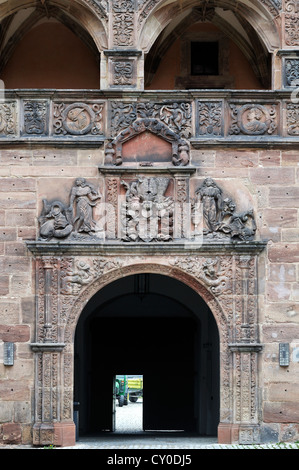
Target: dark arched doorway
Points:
(159, 327)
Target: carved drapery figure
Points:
(219, 214)
(147, 215)
(85, 197)
(211, 197)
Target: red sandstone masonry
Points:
(280, 412)
(236, 159)
(284, 253)
(284, 196)
(18, 333)
(14, 390)
(270, 158)
(276, 217)
(12, 433)
(272, 175)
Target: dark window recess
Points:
(204, 58)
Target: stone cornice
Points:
(39, 248)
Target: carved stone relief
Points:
(292, 115)
(180, 147)
(177, 116)
(8, 118)
(210, 118)
(35, 117)
(147, 214)
(291, 67)
(291, 23)
(59, 220)
(253, 119)
(78, 118)
(219, 214)
(123, 73)
(154, 208)
(123, 22)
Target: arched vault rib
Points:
(92, 22)
(37, 15)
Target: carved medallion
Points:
(78, 118)
(253, 119)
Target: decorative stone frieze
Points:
(199, 118)
(177, 116)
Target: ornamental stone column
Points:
(51, 424)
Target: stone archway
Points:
(68, 276)
(156, 326)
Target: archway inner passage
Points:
(163, 329)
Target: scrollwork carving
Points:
(35, 117)
(78, 118)
(8, 114)
(177, 116)
(292, 119)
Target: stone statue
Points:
(85, 197)
(211, 197)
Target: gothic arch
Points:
(257, 15)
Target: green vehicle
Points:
(121, 389)
(128, 386)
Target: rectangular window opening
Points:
(204, 58)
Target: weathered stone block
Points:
(284, 253)
(17, 333)
(272, 175)
(12, 433)
(281, 412)
(269, 433)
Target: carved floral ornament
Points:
(147, 209)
